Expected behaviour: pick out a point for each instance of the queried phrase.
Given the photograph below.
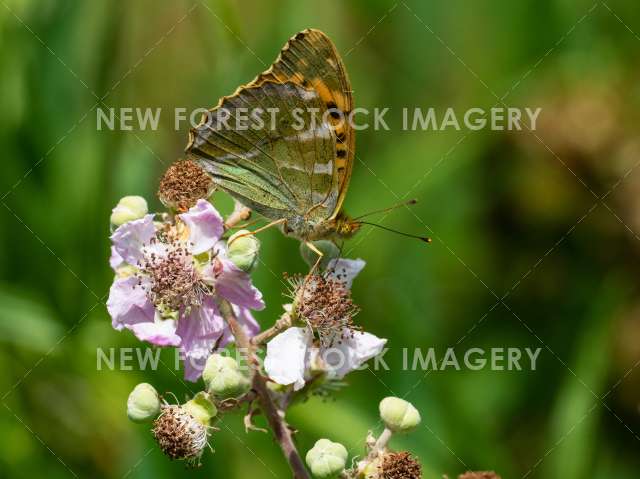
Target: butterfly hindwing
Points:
(311, 60)
(281, 170)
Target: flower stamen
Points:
(325, 304)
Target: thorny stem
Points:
(274, 416)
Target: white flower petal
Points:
(352, 352)
(344, 269)
(286, 358)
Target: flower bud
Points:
(326, 458)
(328, 248)
(129, 208)
(201, 408)
(399, 415)
(243, 250)
(144, 403)
(223, 377)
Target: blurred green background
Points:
(549, 218)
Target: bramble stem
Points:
(274, 416)
(283, 323)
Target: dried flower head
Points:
(325, 304)
(183, 184)
(180, 435)
(400, 465)
(479, 475)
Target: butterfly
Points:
(296, 177)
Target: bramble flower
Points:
(329, 341)
(169, 275)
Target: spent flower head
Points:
(399, 465)
(182, 431)
(183, 184)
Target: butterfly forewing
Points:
(284, 169)
(311, 60)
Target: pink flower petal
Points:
(129, 239)
(234, 285)
(128, 303)
(200, 331)
(205, 224)
(160, 332)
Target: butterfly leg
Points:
(320, 254)
(262, 228)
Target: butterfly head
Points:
(345, 227)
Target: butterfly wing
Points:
(283, 169)
(310, 59)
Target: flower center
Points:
(326, 305)
(175, 282)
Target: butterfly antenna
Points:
(426, 239)
(384, 210)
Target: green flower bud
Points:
(243, 250)
(223, 377)
(129, 208)
(143, 404)
(399, 415)
(201, 408)
(329, 250)
(326, 458)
